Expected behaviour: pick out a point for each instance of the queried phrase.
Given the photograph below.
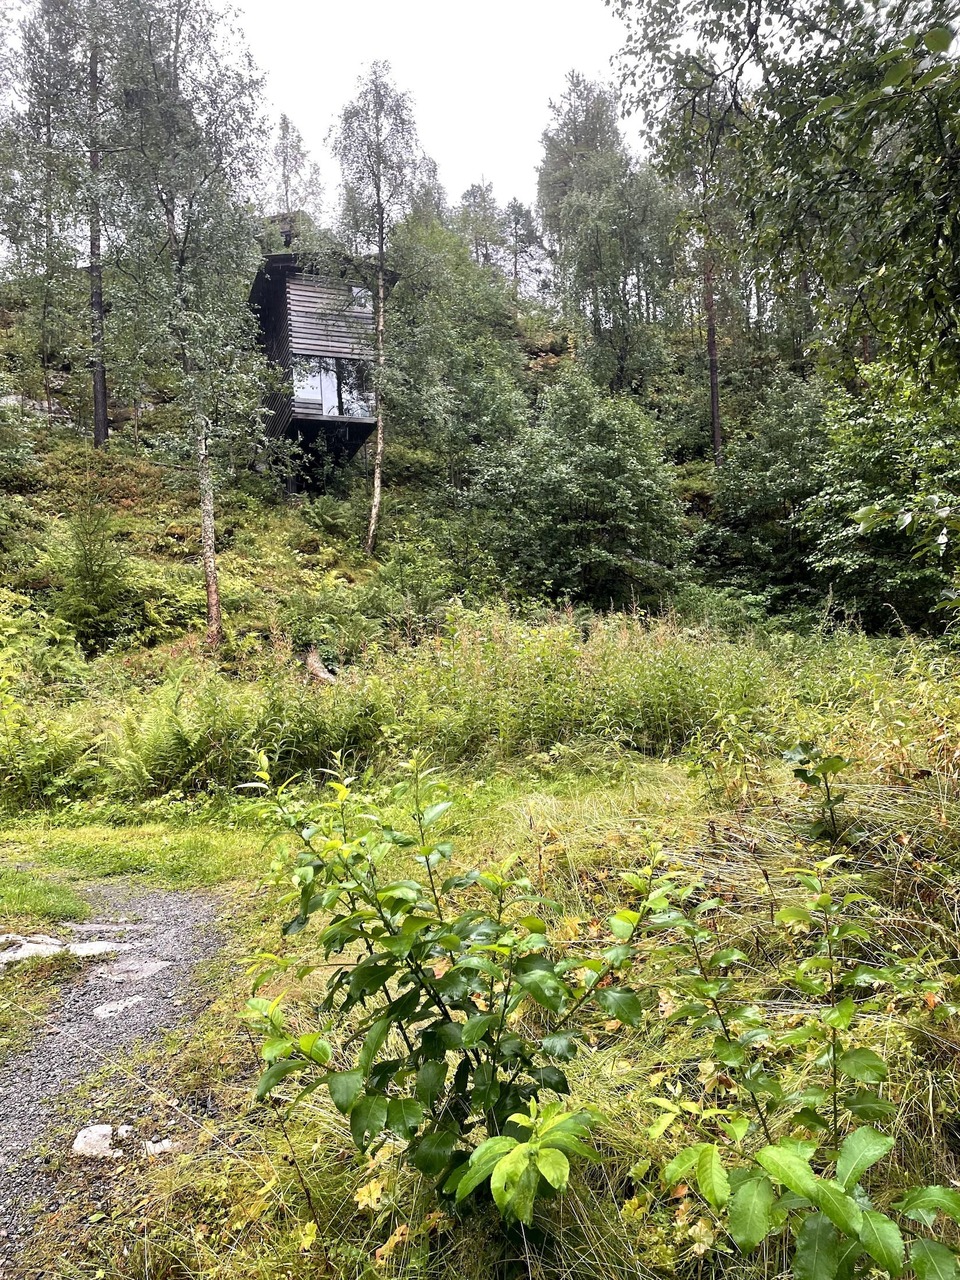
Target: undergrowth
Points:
(261, 1192)
(482, 689)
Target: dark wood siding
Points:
(270, 301)
(323, 320)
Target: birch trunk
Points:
(208, 540)
(97, 363)
(710, 310)
(381, 435)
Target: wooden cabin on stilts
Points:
(316, 329)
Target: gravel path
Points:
(138, 991)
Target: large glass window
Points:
(315, 381)
(354, 390)
(340, 388)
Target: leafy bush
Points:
(469, 998)
(580, 504)
(18, 463)
(881, 449)
(450, 962)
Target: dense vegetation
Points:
(579, 765)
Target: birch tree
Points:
(381, 164)
(190, 248)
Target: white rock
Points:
(124, 1130)
(114, 1007)
(14, 947)
(95, 1143)
(134, 970)
(99, 947)
(162, 1148)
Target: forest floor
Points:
(129, 980)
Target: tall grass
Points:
(488, 687)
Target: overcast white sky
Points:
(481, 74)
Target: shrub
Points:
(580, 504)
(95, 592)
(469, 997)
(449, 962)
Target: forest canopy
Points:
(763, 290)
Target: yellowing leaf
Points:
(370, 1194)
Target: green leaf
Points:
(475, 1028)
(938, 39)
(274, 1074)
(859, 1151)
(482, 1164)
(730, 1052)
(315, 1048)
(554, 1166)
(790, 1170)
(816, 1256)
(712, 1180)
(681, 1164)
(367, 1118)
(867, 1105)
(928, 77)
(932, 1261)
(794, 915)
(560, 1044)
(432, 1153)
(625, 1006)
(897, 73)
(433, 812)
(862, 1064)
(486, 1086)
(404, 1116)
(921, 1201)
(513, 1183)
(431, 1077)
(372, 1043)
(545, 988)
(850, 1251)
(750, 1213)
(882, 1240)
(623, 924)
(842, 1210)
(345, 1088)
(550, 1077)
(275, 1047)
(840, 1016)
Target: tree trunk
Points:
(710, 310)
(97, 364)
(208, 540)
(378, 450)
